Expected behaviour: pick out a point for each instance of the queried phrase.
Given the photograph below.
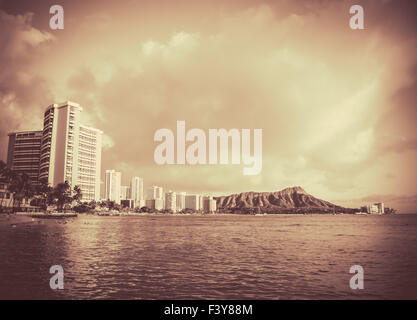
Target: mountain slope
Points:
(284, 200)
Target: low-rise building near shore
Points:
(155, 204)
(375, 208)
(127, 203)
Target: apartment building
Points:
(23, 154)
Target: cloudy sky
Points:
(337, 106)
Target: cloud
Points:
(251, 73)
(23, 92)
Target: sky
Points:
(337, 106)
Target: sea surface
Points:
(209, 257)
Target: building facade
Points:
(70, 151)
(376, 208)
(89, 162)
(155, 192)
(23, 154)
(155, 204)
(171, 201)
(136, 189)
(192, 201)
(209, 204)
(113, 184)
(181, 200)
(124, 193)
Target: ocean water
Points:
(210, 257)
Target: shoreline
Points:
(63, 215)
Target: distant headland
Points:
(288, 200)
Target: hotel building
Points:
(136, 191)
(23, 154)
(209, 204)
(113, 187)
(155, 192)
(377, 208)
(181, 200)
(192, 201)
(171, 201)
(89, 162)
(70, 151)
(155, 198)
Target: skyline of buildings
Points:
(132, 196)
(67, 150)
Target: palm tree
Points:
(21, 187)
(42, 194)
(9, 176)
(62, 195)
(77, 194)
(3, 167)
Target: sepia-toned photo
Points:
(208, 151)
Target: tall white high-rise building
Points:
(113, 185)
(136, 192)
(171, 201)
(89, 162)
(201, 202)
(136, 189)
(70, 151)
(181, 200)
